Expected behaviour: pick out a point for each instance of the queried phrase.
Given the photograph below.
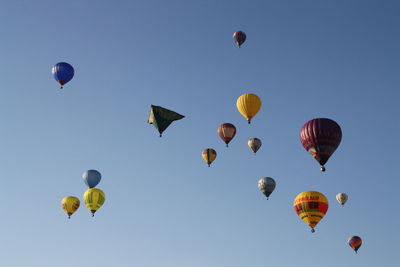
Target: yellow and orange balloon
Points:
(311, 207)
(70, 204)
(209, 155)
(248, 105)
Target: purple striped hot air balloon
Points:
(321, 137)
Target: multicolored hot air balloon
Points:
(70, 205)
(226, 131)
(91, 178)
(321, 137)
(266, 186)
(254, 144)
(239, 37)
(63, 73)
(354, 242)
(342, 198)
(209, 155)
(311, 207)
(94, 198)
(161, 118)
(248, 105)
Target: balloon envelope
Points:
(321, 137)
(342, 198)
(62, 73)
(226, 131)
(248, 105)
(161, 117)
(254, 144)
(266, 186)
(311, 207)
(209, 155)
(94, 198)
(239, 37)
(70, 204)
(91, 178)
(355, 242)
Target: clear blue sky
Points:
(165, 207)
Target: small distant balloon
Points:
(226, 131)
(355, 242)
(254, 144)
(239, 37)
(94, 198)
(342, 198)
(62, 73)
(267, 186)
(209, 155)
(70, 204)
(91, 178)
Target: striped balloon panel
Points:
(355, 242)
(209, 155)
(311, 207)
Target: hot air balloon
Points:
(91, 178)
(354, 242)
(341, 198)
(321, 137)
(311, 207)
(70, 205)
(226, 131)
(239, 37)
(266, 186)
(63, 73)
(248, 105)
(94, 198)
(161, 118)
(254, 144)
(209, 155)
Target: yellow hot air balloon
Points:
(94, 199)
(311, 207)
(209, 155)
(70, 205)
(248, 105)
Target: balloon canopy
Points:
(70, 204)
(239, 37)
(161, 118)
(226, 131)
(94, 198)
(267, 186)
(248, 105)
(62, 73)
(321, 137)
(311, 207)
(209, 155)
(91, 178)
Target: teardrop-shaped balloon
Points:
(342, 198)
(62, 73)
(254, 144)
(239, 37)
(226, 131)
(209, 155)
(355, 242)
(94, 198)
(321, 137)
(248, 105)
(91, 178)
(266, 186)
(70, 204)
(311, 207)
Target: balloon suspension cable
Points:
(323, 168)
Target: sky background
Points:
(165, 207)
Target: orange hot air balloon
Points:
(209, 155)
(311, 207)
(226, 131)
